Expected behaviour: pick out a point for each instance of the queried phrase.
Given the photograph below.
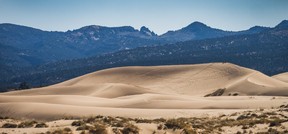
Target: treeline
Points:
(266, 52)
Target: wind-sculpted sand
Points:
(150, 92)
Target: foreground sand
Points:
(151, 92)
(260, 121)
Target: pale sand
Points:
(282, 77)
(150, 92)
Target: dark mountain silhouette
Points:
(265, 51)
(28, 46)
(147, 31)
(283, 25)
(23, 46)
(198, 31)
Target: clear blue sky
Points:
(158, 15)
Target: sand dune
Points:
(282, 77)
(157, 91)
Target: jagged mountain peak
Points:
(147, 31)
(143, 28)
(97, 27)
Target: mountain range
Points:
(43, 58)
(198, 31)
(27, 46)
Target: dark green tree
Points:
(23, 85)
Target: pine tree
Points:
(23, 85)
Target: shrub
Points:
(78, 123)
(41, 125)
(98, 129)
(241, 117)
(82, 132)
(235, 94)
(159, 120)
(273, 131)
(271, 113)
(69, 118)
(84, 127)
(160, 127)
(199, 126)
(254, 115)
(67, 129)
(274, 123)
(116, 131)
(284, 106)
(238, 132)
(9, 125)
(1, 117)
(90, 119)
(189, 130)
(262, 116)
(218, 92)
(175, 124)
(128, 129)
(109, 119)
(143, 121)
(118, 124)
(245, 127)
(26, 124)
(61, 131)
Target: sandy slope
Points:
(152, 92)
(282, 77)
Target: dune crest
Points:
(282, 77)
(127, 90)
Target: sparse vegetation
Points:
(241, 117)
(27, 124)
(189, 130)
(61, 131)
(275, 123)
(67, 129)
(246, 121)
(143, 121)
(175, 124)
(284, 106)
(159, 120)
(233, 94)
(9, 125)
(98, 129)
(3, 117)
(130, 129)
(41, 125)
(218, 92)
(84, 127)
(160, 127)
(116, 131)
(78, 123)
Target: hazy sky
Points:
(158, 15)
